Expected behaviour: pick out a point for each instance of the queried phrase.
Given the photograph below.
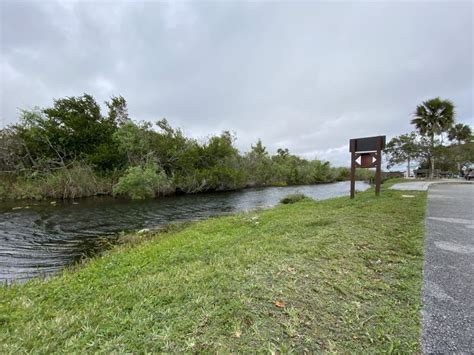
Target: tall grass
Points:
(78, 180)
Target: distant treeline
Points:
(72, 150)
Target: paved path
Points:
(448, 272)
(423, 185)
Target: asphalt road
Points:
(448, 272)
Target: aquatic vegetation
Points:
(293, 198)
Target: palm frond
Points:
(434, 116)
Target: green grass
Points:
(393, 181)
(335, 276)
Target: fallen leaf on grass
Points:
(279, 304)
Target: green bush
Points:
(293, 198)
(142, 182)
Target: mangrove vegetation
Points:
(72, 149)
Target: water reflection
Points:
(40, 239)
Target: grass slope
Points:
(337, 275)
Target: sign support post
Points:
(370, 151)
(378, 169)
(353, 168)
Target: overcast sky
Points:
(307, 76)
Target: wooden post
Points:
(378, 169)
(353, 167)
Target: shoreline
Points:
(173, 194)
(293, 273)
(64, 215)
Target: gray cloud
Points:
(302, 75)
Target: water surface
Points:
(42, 238)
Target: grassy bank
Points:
(80, 180)
(336, 275)
(73, 185)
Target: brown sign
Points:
(368, 144)
(369, 150)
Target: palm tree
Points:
(432, 118)
(460, 133)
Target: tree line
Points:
(72, 149)
(437, 141)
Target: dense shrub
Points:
(142, 182)
(39, 157)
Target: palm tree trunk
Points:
(459, 163)
(408, 168)
(432, 167)
(432, 164)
